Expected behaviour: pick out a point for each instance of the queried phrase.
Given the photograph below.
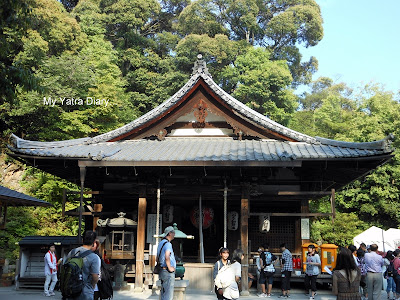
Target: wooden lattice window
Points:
(282, 230)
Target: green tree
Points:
(200, 17)
(130, 21)
(337, 112)
(279, 26)
(345, 227)
(60, 30)
(262, 84)
(328, 110)
(14, 20)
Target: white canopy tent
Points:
(385, 239)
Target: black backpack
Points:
(71, 277)
(105, 283)
(390, 270)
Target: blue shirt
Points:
(374, 262)
(167, 247)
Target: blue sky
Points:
(361, 42)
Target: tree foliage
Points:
(253, 78)
(138, 53)
(335, 111)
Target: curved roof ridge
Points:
(149, 115)
(18, 142)
(385, 143)
(200, 70)
(255, 117)
(22, 143)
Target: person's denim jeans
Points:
(391, 285)
(167, 284)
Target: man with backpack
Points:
(267, 271)
(80, 271)
(166, 258)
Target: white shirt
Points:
(355, 260)
(49, 266)
(232, 291)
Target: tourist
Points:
(363, 247)
(223, 261)
(286, 271)
(374, 263)
(268, 271)
(388, 274)
(313, 262)
(363, 270)
(91, 266)
(353, 250)
(50, 271)
(232, 291)
(259, 265)
(346, 277)
(396, 274)
(167, 263)
(95, 249)
(251, 279)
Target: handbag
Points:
(157, 267)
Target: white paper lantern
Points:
(265, 223)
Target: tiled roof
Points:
(202, 149)
(200, 71)
(48, 240)
(198, 149)
(15, 198)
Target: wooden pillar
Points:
(244, 238)
(82, 177)
(97, 208)
(333, 204)
(141, 228)
(297, 235)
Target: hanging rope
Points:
(225, 213)
(158, 211)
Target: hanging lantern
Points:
(208, 217)
(265, 223)
(233, 220)
(168, 213)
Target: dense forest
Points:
(136, 54)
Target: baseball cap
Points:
(168, 230)
(311, 246)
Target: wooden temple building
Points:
(252, 177)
